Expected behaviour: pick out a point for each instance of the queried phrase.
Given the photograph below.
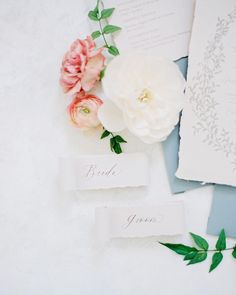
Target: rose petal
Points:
(111, 117)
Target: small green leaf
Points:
(102, 73)
(216, 260)
(199, 257)
(96, 34)
(113, 50)
(190, 255)
(200, 242)
(93, 15)
(221, 242)
(112, 144)
(179, 248)
(117, 148)
(120, 139)
(107, 13)
(96, 9)
(109, 29)
(105, 134)
(234, 252)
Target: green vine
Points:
(196, 255)
(99, 16)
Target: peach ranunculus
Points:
(81, 66)
(83, 110)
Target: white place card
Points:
(104, 171)
(136, 222)
(208, 125)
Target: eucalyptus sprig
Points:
(115, 141)
(99, 15)
(199, 253)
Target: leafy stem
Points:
(115, 141)
(103, 36)
(99, 15)
(199, 253)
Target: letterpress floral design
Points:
(202, 93)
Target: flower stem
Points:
(103, 36)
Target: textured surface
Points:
(46, 235)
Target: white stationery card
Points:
(129, 222)
(161, 25)
(208, 125)
(104, 171)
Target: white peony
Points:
(145, 94)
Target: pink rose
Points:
(81, 66)
(83, 110)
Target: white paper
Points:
(163, 26)
(104, 171)
(129, 222)
(208, 125)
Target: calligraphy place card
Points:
(131, 222)
(104, 171)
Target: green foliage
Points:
(100, 15)
(115, 141)
(105, 13)
(179, 248)
(196, 255)
(113, 50)
(234, 252)
(221, 242)
(109, 29)
(96, 34)
(200, 242)
(216, 260)
(105, 134)
(93, 15)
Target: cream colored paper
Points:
(129, 222)
(160, 25)
(104, 171)
(208, 125)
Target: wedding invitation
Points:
(130, 222)
(104, 171)
(160, 25)
(208, 125)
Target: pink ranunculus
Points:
(83, 110)
(81, 66)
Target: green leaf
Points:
(120, 139)
(199, 257)
(113, 50)
(179, 248)
(105, 134)
(96, 34)
(109, 29)
(221, 242)
(190, 255)
(216, 260)
(107, 13)
(234, 252)
(200, 242)
(115, 146)
(102, 73)
(93, 15)
(96, 9)
(112, 144)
